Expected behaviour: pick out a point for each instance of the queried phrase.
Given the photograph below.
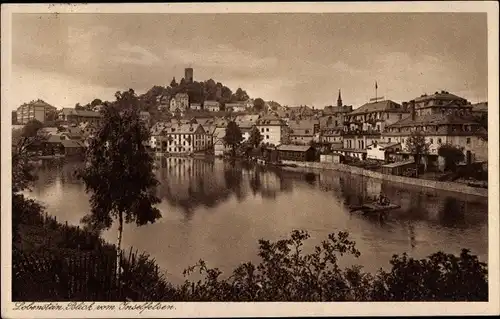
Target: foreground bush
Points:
(287, 274)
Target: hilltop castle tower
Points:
(188, 75)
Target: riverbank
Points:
(446, 186)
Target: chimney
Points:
(412, 109)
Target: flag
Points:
(376, 86)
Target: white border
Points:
(273, 308)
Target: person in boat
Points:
(383, 200)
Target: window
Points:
(439, 140)
(468, 140)
(267, 137)
(262, 130)
(389, 140)
(267, 129)
(432, 140)
(388, 115)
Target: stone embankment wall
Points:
(448, 186)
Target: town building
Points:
(62, 145)
(164, 102)
(303, 131)
(273, 130)
(331, 136)
(247, 118)
(364, 125)
(196, 106)
(212, 106)
(334, 115)
(246, 129)
(384, 152)
(157, 132)
(220, 146)
(179, 103)
(453, 125)
(185, 139)
(440, 103)
(300, 112)
(35, 110)
(299, 153)
(236, 107)
(74, 116)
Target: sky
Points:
(294, 59)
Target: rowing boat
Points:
(373, 208)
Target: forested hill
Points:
(198, 93)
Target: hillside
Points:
(198, 92)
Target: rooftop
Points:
(379, 106)
(184, 128)
(434, 119)
(83, 113)
(480, 107)
(443, 95)
(294, 148)
(397, 164)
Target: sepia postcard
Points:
(250, 159)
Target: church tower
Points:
(339, 100)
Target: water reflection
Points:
(218, 210)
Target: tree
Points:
(255, 137)
(79, 107)
(173, 84)
(96, 102)
(28, 136)
(233, 136)
(51, 116)
(119, 171)
(14, 118)
(452, 156)
(259, 104)
(418, 147)
(240, 95)
(22, 174)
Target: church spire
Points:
(339, 100)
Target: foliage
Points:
(274, 105)
(286, 273)
(255, 137)
(22, 176)
(452, 156)
(233, 136)
(119, 171)
(259, 104)
(417, 146)
(96, 102)
(239, 96)
(440, 277)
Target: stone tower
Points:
(188, 75)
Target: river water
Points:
(217, 211)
